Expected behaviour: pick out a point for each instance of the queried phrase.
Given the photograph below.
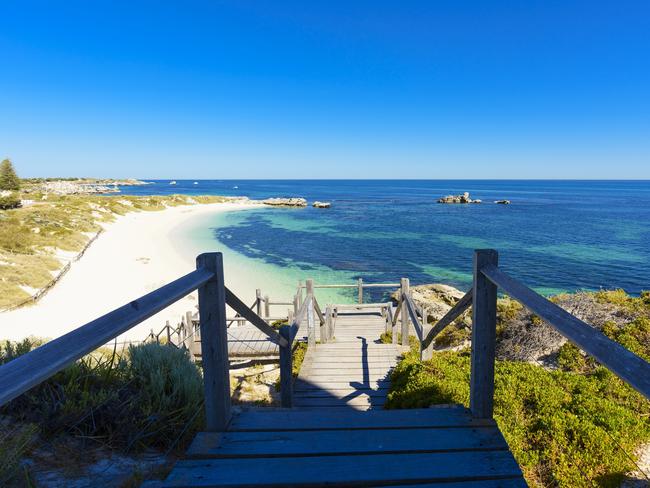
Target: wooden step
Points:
(358, 470)
(305, 443)
(308, 419)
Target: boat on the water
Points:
(172, 182)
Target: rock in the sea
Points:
(464, 198)
(503, 202)
(286, 202)
(321, 205)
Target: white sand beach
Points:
(137, 254)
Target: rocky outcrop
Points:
(464, 198)
(436, 298)
(285, 202)
(321, 204)
(71, 188)
(503, 202)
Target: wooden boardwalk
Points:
(353, 370)
(338, 434)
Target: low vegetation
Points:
(149, 397)
(569, 422)
(33, 237)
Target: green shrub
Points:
(151, 397)
(10, 201)
(15, 443)
(559, 425)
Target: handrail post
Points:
(258, 302)
(427, 352)
(286, 369)
(296, 305)
(360, 289)
(267, 307)
(404, 282)
(328, 324)
(311, 332)
(299, 294)
(484, 319)
(214, 343)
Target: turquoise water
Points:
(555, 236)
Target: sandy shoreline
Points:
(137, 254)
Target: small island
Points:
(464, 198)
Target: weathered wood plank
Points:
(484, 322)
(241, 308)
(517, 482)
(286, 369)
(28, 370)
(214, 343)
(307, 419)
(456, 311)
(625, 364)
(345, 470)
(297, 443)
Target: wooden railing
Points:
(28, 370)
(360, 285)
(482, 297)
(25, 372)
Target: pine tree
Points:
(8, 178)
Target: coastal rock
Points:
(74, 188)
(286, 202)
(321, 205)
(503, 202)
(464, 198)
(437, 298)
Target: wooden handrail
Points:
(28, 370)
(233, 301)
(621, 361)
(410, 307)
(456, 311)
(297, 320)
(364, 285)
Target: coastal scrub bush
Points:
(8, 202)
(149, 397)
(16, 441)
(564, 429)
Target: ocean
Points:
(555, 236)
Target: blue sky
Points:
(271, 89)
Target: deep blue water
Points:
(555, 236)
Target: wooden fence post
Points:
(258, 302)
(484, 320)
(267, 307)
(428, 352)
(360, 291)
(311, 332)
(405, 315)
(214, 344)
(296, 306)
(327, 328)
(286, 369)
(190, 336)
(299, 295)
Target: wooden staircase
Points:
(353, 370)
(441, 447)
(338, 434)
